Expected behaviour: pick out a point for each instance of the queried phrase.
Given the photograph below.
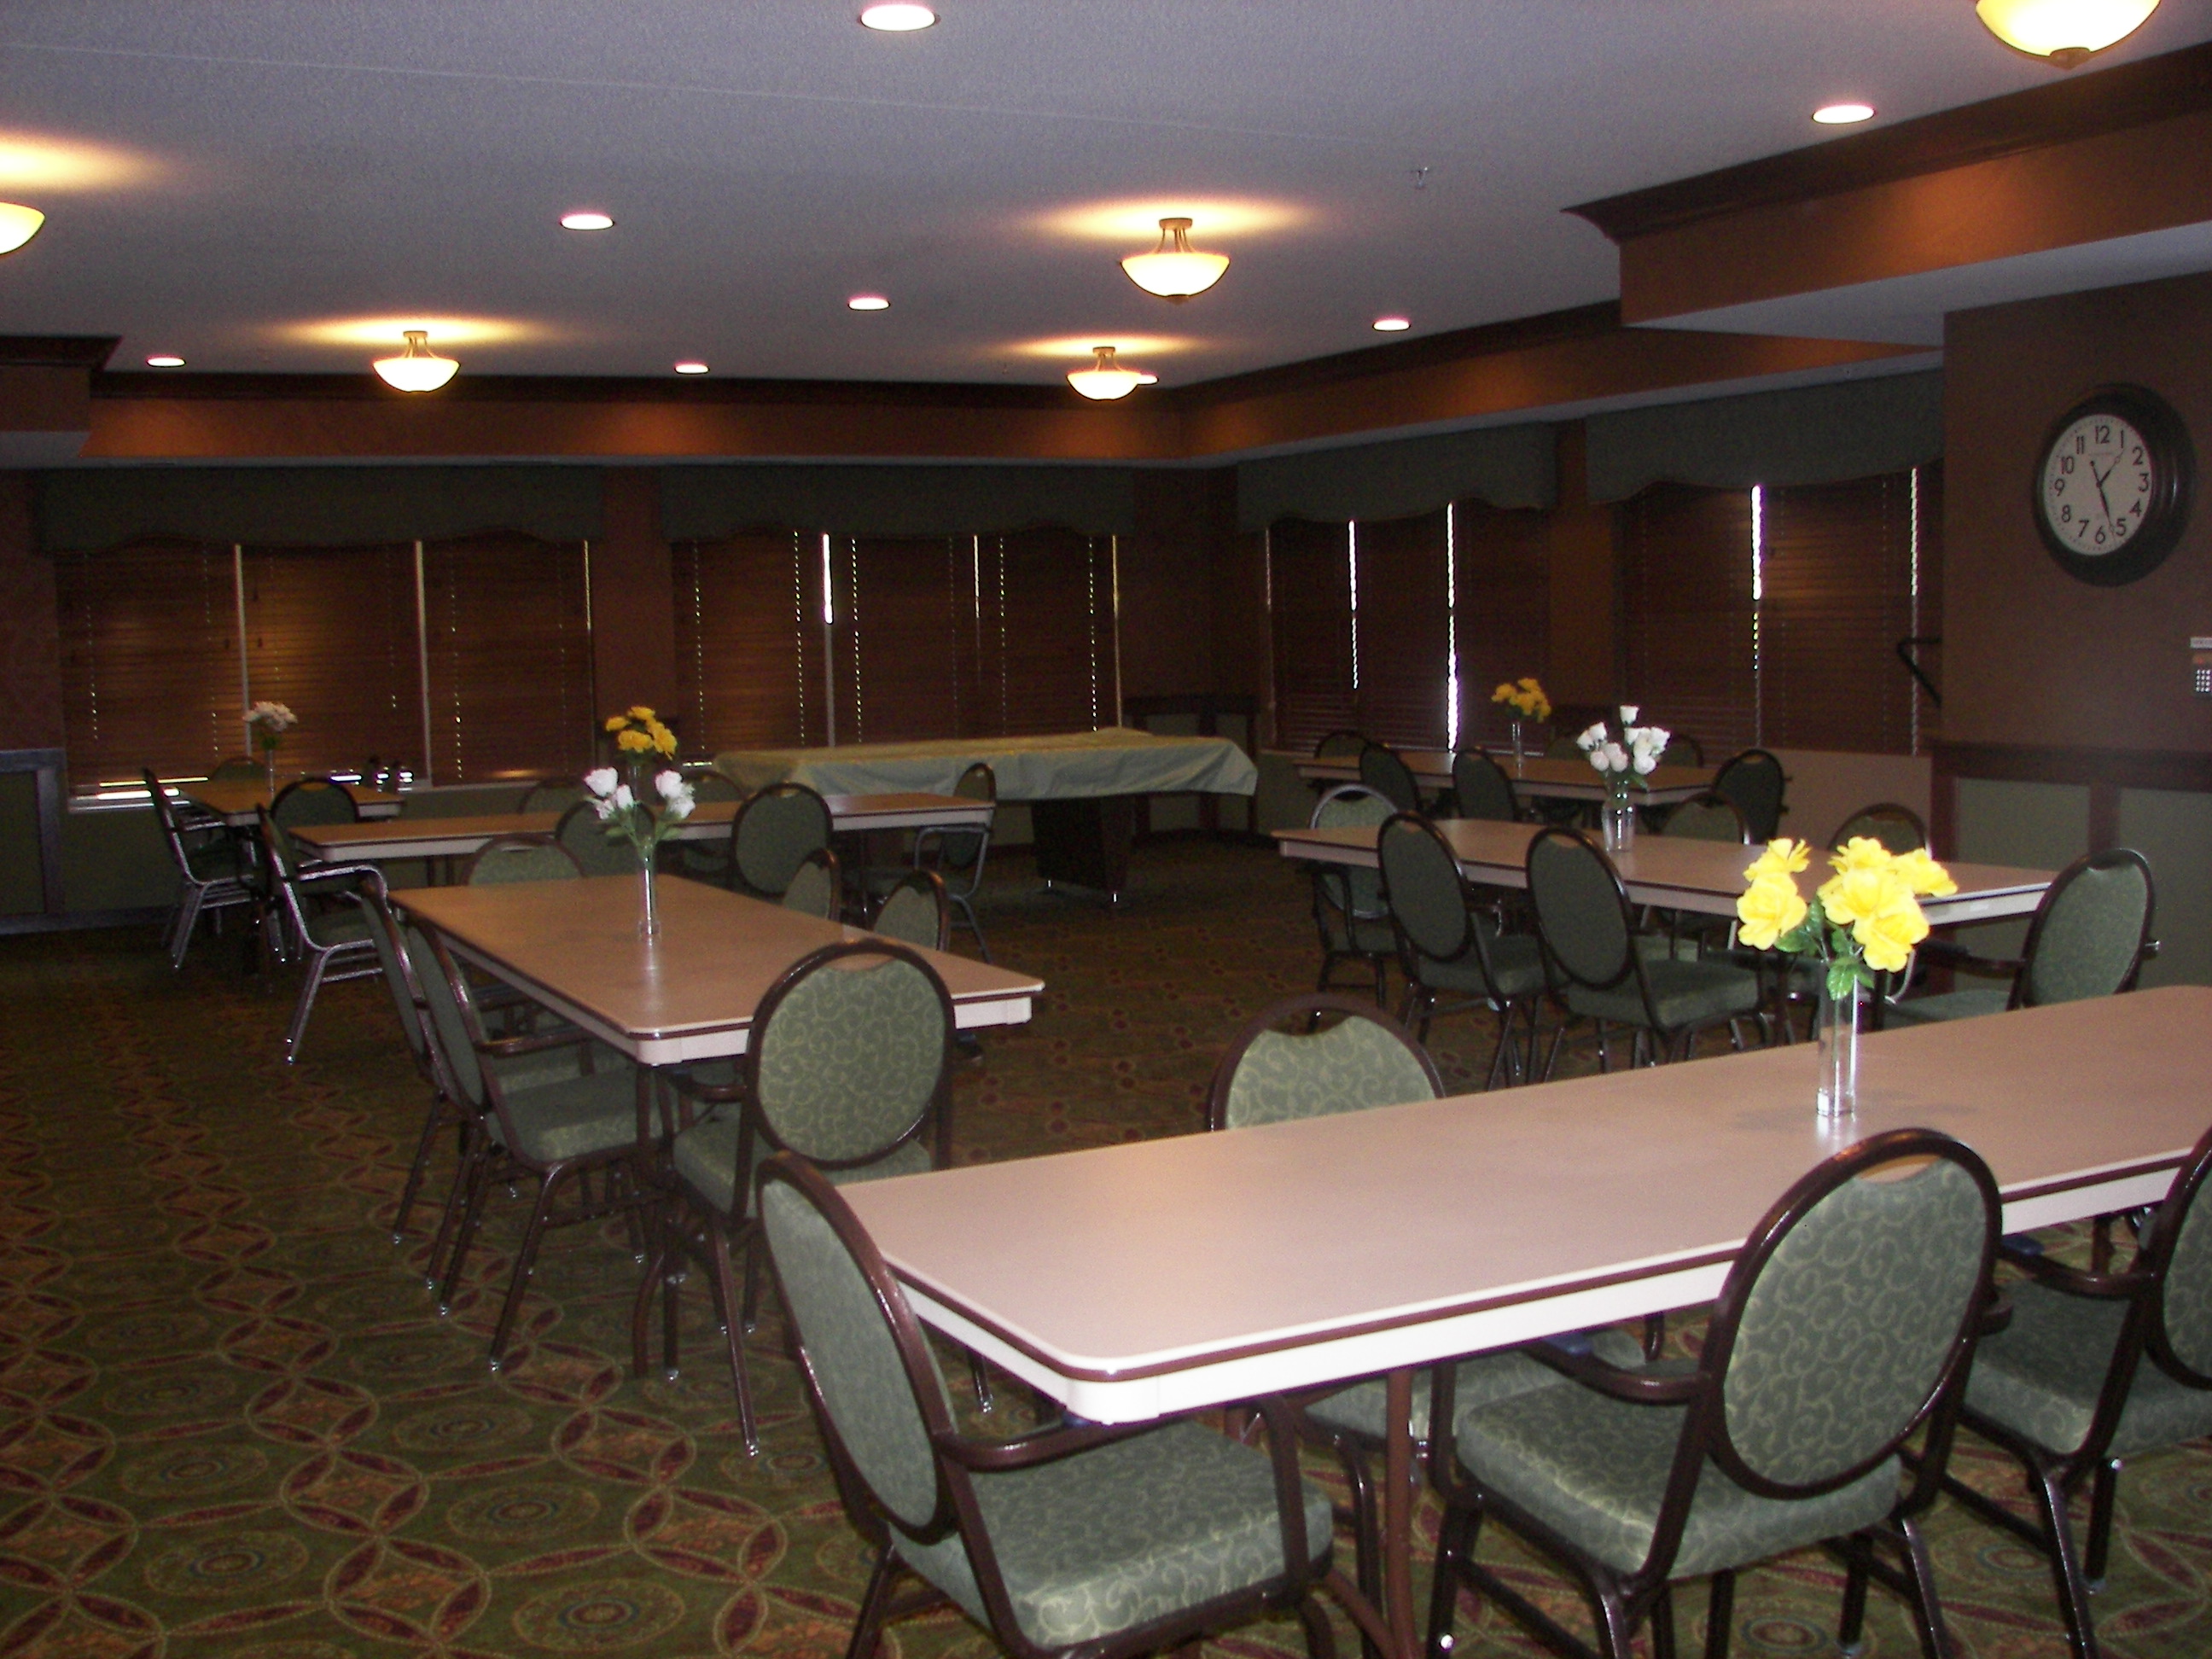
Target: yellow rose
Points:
(1770, 908)
(1862, 853)
(1888, 936)
(663, 739)
(1543, 707)
(1868, 891)
(635, 743)
(1503, 693)
(616, 722)
(638, 711)
(1783, 857)
(1922, 874)
(1528, 682)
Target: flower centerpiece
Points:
(1864, 920)
(628, 809)
(1524, 700)
(266, 723)
(1623, 761)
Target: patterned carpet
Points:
(231, 1422)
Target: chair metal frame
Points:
(931, 844)
(2020, 967)
(197, 895)
(1332, 892)
(1620, 1600)
(785, 790)
(929, 882)
(294, 889)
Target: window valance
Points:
(1505, 467)
(706, 503)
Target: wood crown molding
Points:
(2086, 106)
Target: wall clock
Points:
(2113, 486)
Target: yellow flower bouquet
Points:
(1863, 919)
(638, 732)
(1524, 699)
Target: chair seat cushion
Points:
(1683, 993)
(330, 928)
(521, 1072)
(575, 1117)
(1593, 1469)
(216, 861)
(2041, 1375)
(1136, 1530)
(705, 1156)
(1360, 1408)
(1515, 959)
(1949, 1005)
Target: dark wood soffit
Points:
(2185, 769)
(57, 350)
(2079, 107)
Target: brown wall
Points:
(2031, 655)
(633, 597)
(1168, 594)
(1581, 546)
(30, 644)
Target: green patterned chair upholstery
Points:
(1349, 913)
(551, 1109)
(2093, 1368)
(1447, 947)
(1598, 973)
(521, 858)
(1845, 1325)
(1480, 788)
(584, 833)
(771, 835)
(1897, 827)
(2089, 937)
(703, 860)
(319, 918)
(552, 795)
(816, 887)
(211, 875)
(1381, 770)
(1709, 817)
(1755, 781)
(848, 1067)
(1106, 1542)
(916, 912)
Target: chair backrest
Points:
(1356, 891)
(1709, 817)
(165, 818)
(313, 800)
(522, 858)
(1896, 827)
(2091, 930)
(1682, 749)
(815, 888)
(1344, 741)
(552, 795)
(1380, 770)
(283, 860)
(237, 768)
(958, 849)
(584, 833)
(1582, 909)
(1422, 889)
(772, 833)
(1755, 780)
(706, 784)
(1563, 747)
(849, 1052)
(860, 1349)
(2177, 1252)
(1365, 1059)
(916, 912)
(1853, 1306)
(407, 997)
(1481, 789)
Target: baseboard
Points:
(70, 921)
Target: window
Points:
(1502, 610)
(330, 632)
(899, 609)
(1404, 619)
(1688, 630)
(508, 643)
(749, 643)
(1309, 601)
(1041, 628)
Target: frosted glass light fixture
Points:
(165, 359)
(2067, 32)
(1843, 115)
(1175, 271)
(18, 225)
(895, 17)
(1106, 380)
(418, 368)
(587, 219)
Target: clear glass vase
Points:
(1519, 752)
(648, 920)
(269, 765)
(1836, 1092)
(1617, 818)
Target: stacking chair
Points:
(1343, 744)
(703, 860)
(211, 877)
(237, 768)
(1897, 827)
(1381, 770)
(1709, 816)
(1755, 780)
(2089, 937)
(916, 912)
(521, 858)
(1106, 1542)
(815, 888)
(1845, 1324)
(444, 1114)
(1446, 947)
(524, 1119)
(313, 800)
(957, 855)
(2093, 1368)
(848, 1067)
(1682, 749)
(1598, 972)
(1347, 903)
(771, 835)
(584, 833)
(320, 917)
(552, 795)
(1480, 788)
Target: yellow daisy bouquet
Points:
(1862, 919)
(638, 732)
(1524, 698)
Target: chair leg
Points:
(1858, 1556)
(525, 1260)
(1367, 1535)
(868, 1625)
(724, 1281)
(1455, 1541)
(1663, 1623)
(1720, 1614)
(435, 1120)
(2102, 1492)
(318, 961)
(186, 918)
(1501, 1056)
(1320, 1641)
(479, 1175)
(2065, 1566)
(1935, 1639)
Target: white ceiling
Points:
(223, 178)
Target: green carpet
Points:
(231, 1422)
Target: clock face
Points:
(2099, 481)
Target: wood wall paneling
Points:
(633, 598)
(1582, 654)
(30, 641)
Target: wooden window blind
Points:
(1928, 608)
(1837, 564)
(510, 654)
(150, 661)
(1040, 620)
(330, 632)
(749, 641)
(897, 669)
(1310, 599)
(1502, 561)
(1404, 622)
(1687, 621)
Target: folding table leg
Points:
(1397, 1512)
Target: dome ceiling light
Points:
(1106, 379)
(18, 225)
(895, 17)
(1392, 324)
(1175, 271)
(165, 359)
(2066, 31)
(587, 219)
(418, 368)
(1843, 115)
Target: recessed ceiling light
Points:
(165, 361)
(1842, 115)
(868, 302)
(1392, 324)
(896, 17)
(690, 369)
(587, 219)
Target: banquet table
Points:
(1138, 1281)
(1082, 785)
(235, 800)
(1675, 872)
(1559, 779)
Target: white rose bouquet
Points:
(266, 723)
(628, 818)
(1631, 757)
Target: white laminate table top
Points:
(234, 799)
(1567, 780)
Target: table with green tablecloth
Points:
(1081, 786)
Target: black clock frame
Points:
(2173, 463)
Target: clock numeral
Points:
(2100, 538)
(2066, 464)
(2082, 528)
(2058, 486)
(2142, 481)
(2139, 455)
(2104, 434)
(2120, 528)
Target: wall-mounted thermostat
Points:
(2200, 664)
